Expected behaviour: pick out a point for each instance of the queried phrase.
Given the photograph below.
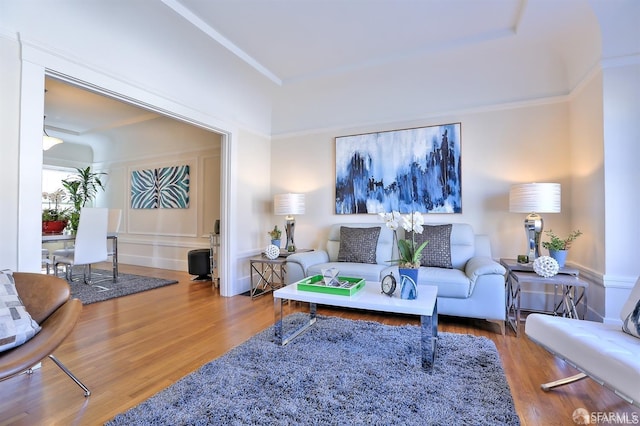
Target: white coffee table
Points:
(369, 298)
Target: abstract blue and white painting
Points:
(402, 170)
(165, 187)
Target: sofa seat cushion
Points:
(601, 350)
(450, 282)
(368, 271)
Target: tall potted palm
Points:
(82, 189)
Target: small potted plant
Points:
(275, 235)
(558, 246)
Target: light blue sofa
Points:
(473, 288)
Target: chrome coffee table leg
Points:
(429, 338)
(279, 334)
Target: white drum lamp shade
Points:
(289, 205)
(534, 198)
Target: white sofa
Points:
(603, 352)
(473, 288)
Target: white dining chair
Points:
(90, 243)
(66, 251)
(113, 227)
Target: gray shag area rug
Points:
(340, 372)
(104, 290)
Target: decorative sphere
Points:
(272, 251)
(546, 266)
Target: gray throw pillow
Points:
(437, 253)
(16, 325)
(358, 244)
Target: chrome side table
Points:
(266, 274)
(569, 293)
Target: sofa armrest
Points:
(481, 265)
(298, 264)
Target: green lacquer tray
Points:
(316, 283)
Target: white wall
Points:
(621, 104)
(621, 132)
(621, 86)
(9, 150)
(588, 191)
(499, 147)
(101, 45)
(162, 237)
(587, 165)
(253, 201)
(167, 57)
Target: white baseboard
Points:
(155, 262)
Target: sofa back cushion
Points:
(463, 244)
(384, 246)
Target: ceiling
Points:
(289, 40)
(294, 41)
(76, 114)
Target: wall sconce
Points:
(534, 198)
(289, 205)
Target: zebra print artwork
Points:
(165, 188)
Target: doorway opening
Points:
(152, 112)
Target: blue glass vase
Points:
(408, 283)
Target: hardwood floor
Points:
(129, 348)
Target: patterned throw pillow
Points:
(630, 312)
(437, 253)
(16, 325)
(358, 244)
(632, 323)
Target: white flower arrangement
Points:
(407, 250)
(54, 213)
(546, 266)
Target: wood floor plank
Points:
(130, 348)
